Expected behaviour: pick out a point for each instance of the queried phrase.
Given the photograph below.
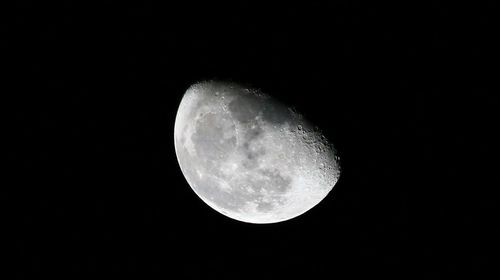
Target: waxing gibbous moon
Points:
(250, 157)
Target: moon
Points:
(249, 156)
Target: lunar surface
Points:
(250, 157)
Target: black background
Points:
(405, 93)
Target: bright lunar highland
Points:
(250, 157)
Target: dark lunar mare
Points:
(250, 110)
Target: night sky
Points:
(405, 93)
